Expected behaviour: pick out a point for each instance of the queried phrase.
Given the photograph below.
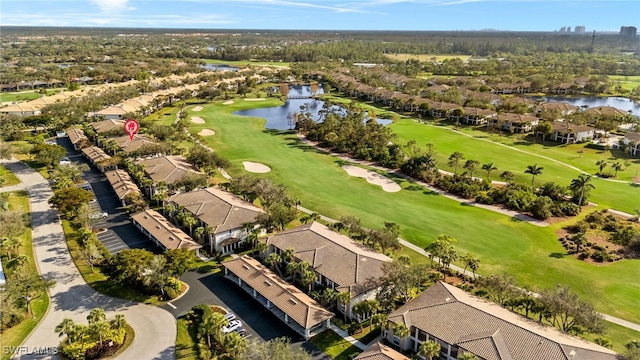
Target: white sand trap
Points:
(228, 102)
(197, 120)
(197, 108)
(374, 178)
(256, 99)
(255, 167)
(206, 132)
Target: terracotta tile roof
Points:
(562, 106)
(564, 127)
(379, 351)
(122, 183)
(606, 110)
(489, 330)
(292, 301)
(107, 125)
(352, 266)
(169, 169)
(219, 209)
(516, 118)
(95, 154)
(164, 231)
(129, 145)
(75, 134)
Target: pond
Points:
(277, 117)
(219, 67)
(622, 103)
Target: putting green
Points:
(532, 254)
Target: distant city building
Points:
(628, 31)
(568, 28)
(563, 29)
(580, 29)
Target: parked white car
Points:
(234, 325)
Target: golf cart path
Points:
(464, 201)
(72, 297)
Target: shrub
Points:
(579, 227)
(569, 208)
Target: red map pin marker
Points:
(131, 126)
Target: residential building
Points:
(567, 133)
(129, 145)
(122, 184)
(169, 169)
(379, 351)
(223, 212)
(77, 137)
(607, 111)
(107, 126)
(290, 304)
(633, 141)
(340, 263)
(562, 107)
(166, 235)
(95, 155)
(514, 123)
(462, 323)
(477, 116)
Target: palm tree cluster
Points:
(98, 339)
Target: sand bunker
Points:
(255, 167)
(374, 178)
(228, 102)
(256, 99)
(197, 108)
(206, 132)
(197, 120)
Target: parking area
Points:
(119, 233)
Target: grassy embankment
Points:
(528, 252)
(14, 336)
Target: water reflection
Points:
(622, 103)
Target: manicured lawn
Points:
(618, 335)
(334, 346)
(8, 177)
(502, 243)
(627, 82)
(167, 115)
(186, 341)
(515, 155)
(97, 279)
(17, 334)
(18, 96)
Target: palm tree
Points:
(99, 329)
(381, 319)
(260, 248)
(617, 166)
(467, 356)
(507, 176)
(189, 221)
(580, 186)
(308, 277)
(489, 167)
(454, 161)
(66, 327)
(96, 315)
(601, 165)
(119, 322)
(198, 232)
(471, 166)
(272, 260)
(344, 297)
(401, 331)
(429, 349)
(534, 170)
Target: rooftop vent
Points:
(245, 266)
(293, 301)
(267, 283)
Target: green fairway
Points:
(532, 254)
(517, 154)
(627, 82)
(19, 96)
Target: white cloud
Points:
(110, 6)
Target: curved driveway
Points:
(71, 297)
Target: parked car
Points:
(65, 161)
(234, 325)
(98, 215)
(230, 316)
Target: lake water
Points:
(621, 103)
(277, 116)
(219, 67)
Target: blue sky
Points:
(517, 15)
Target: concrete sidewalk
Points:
(72, 297)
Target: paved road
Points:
(259, 322)
(71, 297)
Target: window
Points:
(422, 336)
(396, 340)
